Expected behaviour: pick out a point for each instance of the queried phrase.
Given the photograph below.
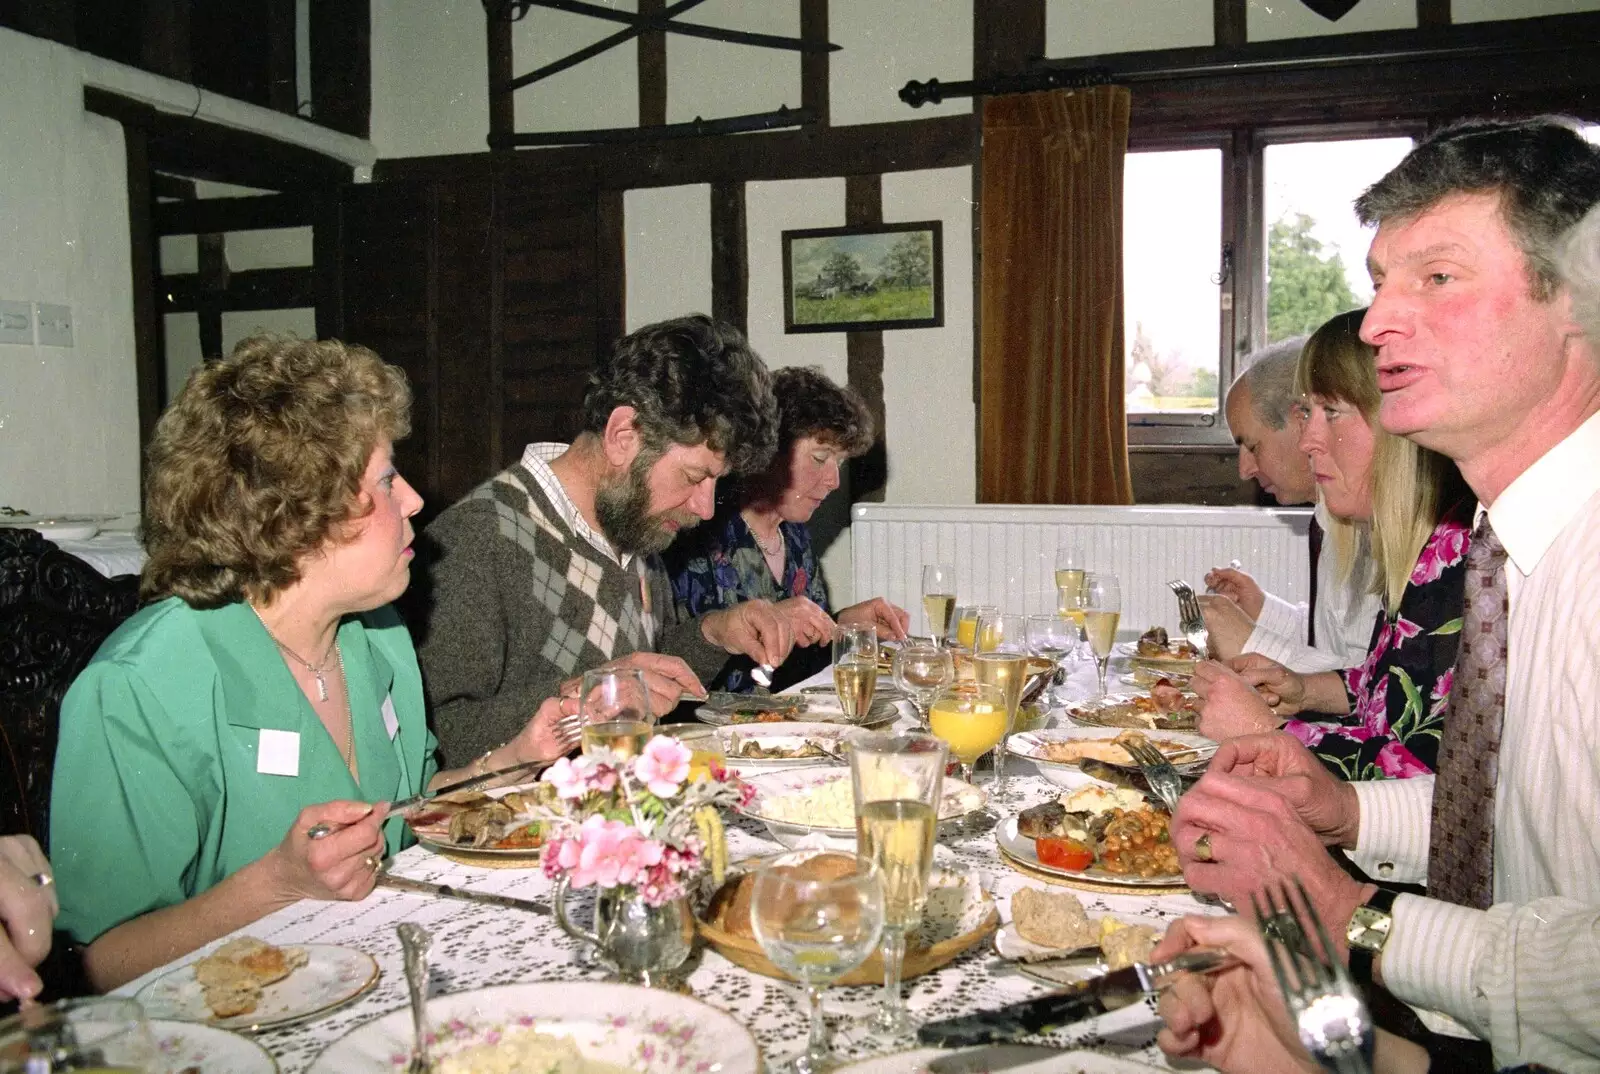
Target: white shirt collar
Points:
(536, 458)
(1533, 510)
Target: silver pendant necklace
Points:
(318, 671)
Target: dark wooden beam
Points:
(253, 213)
(210, 291)
(502, 104)
(283, 92)
(1433, 12)
(730, 262)
(869, 473)
(49, 19)
(611, 272)
(1230, 23)
(327, 243)
(1007, 35)
(203, 150)
(341, 65)
(815, 66)
(652, 69)
(149, 349)
(254, 289)
(165, 45)
(688, 29)
(911, 145)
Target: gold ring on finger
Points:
(1202, 848)
(370, 862)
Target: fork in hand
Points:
(1190, 621)
(1158, 772)
(1328, 1011)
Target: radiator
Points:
(1006, 555)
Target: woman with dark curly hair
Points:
(758, 547)
(268, 688)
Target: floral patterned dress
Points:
(1398, 696)
(718, 564)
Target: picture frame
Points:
(863, 278)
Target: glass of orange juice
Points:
(967, 625)
(971, 718)
(706, 751)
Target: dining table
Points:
(475, 946)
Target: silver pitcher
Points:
(640, 942)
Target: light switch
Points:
(55, 324)
(16, 322)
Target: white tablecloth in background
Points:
(111, 553)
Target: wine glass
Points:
(818, 915)
(101, 1033)
(971, 719)
(1102, 608)
(967, 625)
(920, 670)
(1069, 575)
(938, 598)
(897, 780)
(1001, 660)
(1052, 637)
(615, 707)
(855, 669)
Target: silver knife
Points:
(1070, 1005)
(323, 830)
(445, 891)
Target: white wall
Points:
(430, 86)
(1098, 27)
(882, 54)
(710, 79)
(69, 436)
(668, 233)
(1271, 22)
(1490, 10)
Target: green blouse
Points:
(187, 750)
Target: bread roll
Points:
(1051, 919)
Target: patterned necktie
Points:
(1461, 855)
(1315, 533)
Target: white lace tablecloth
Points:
(476, 946)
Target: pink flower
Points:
(606, 853)
(1372, 708)
(1309, 734)
(566, 778)
(1397, 762)
(1444, 549)
(1404, 630)
(662, 765)
(1441, 685)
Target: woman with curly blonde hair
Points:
(232, 747)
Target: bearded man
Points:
(550, 568)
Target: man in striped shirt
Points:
(1480, 357)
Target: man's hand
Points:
(1254, 839)
(1279, 687)
(542, 738)
(1228, 625)
(890, 621)
(1231, 707)
(667, 678)
(1238, 587)
(809, 624)
(1278, 762)
(751, 627)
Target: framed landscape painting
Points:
(842, 279)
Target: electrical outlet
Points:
(16, 322)
(55, 324)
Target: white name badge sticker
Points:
(391, 722)
(278, 753)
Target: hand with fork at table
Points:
(667, 678)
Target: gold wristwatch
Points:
(1368, 931)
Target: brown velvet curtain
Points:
(1051, 424)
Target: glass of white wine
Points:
(1052, 637)
(105, 1034)
(615, 705)
(920, 670)
(855, 669)
(1001, 660)
(1070, 567)
(1102, 608)
(818, 915)
(897, 780)
(939, 599)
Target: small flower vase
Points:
(640, 942)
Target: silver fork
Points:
(1190, 621)
(1328, 1010)
(1158, 772)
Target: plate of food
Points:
(1105, 835)
(785, 745)
(1053, 939)
(1020, 1058)
(799, 802)
(1156, 656)
(1077, 756)
(1164, 708)
(595, 1026)
(248, 985)
(497, 824)
(194, 1048)
(722, 709)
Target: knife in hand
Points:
(1094, 997)
(323, 830)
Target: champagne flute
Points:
(855, 669)
(897, 780)
(615, 706)
(1102, 608)
(1052, 637)
(938, 598)
(104, 1033)
(971, 719)
(1002, 660)
(818, 915)
(920, 670)
(1069, 575)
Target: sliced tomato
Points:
(1063, 854)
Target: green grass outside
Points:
(889, 304)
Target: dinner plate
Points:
(959, 799)
(58, 527)
(781, 736)
(331, 977)
(1020, 1058)
(881, 714)
(644, 1030)
(1010, 945)
(190, 1046)
(1020, 847)
(436, 837)
(1032, 745)
(1129, 710)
